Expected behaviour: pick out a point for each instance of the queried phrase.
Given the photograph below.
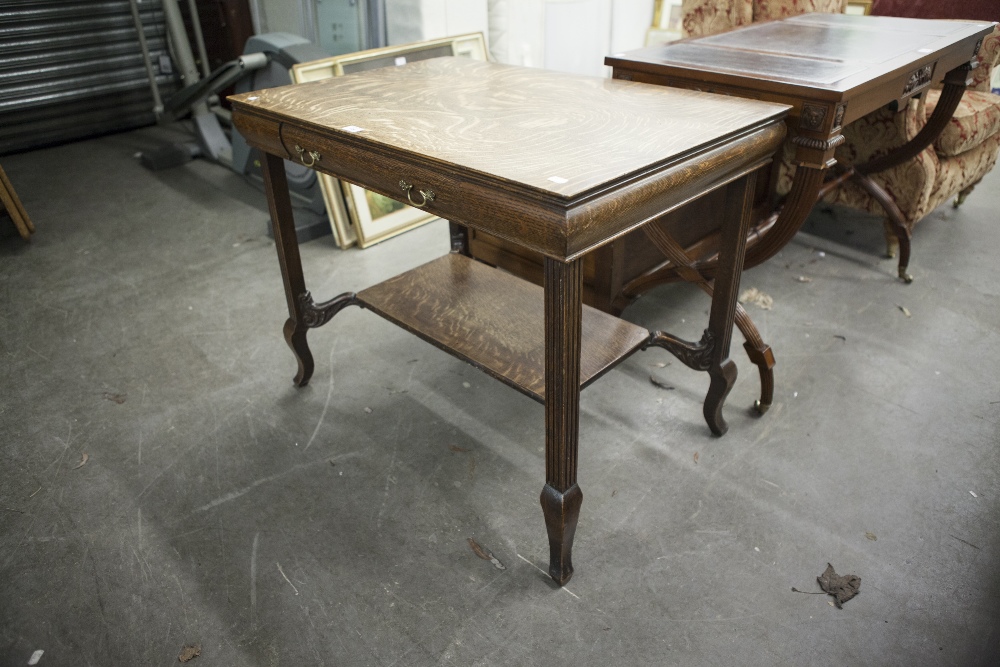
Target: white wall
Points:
(567, 35)
(416, 20)
(564, 35)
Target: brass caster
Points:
(959, 200)
(761, 408)
(904, 276)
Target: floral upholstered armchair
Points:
(707, 17)
(965, 151)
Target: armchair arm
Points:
(989, 57)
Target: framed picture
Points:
(859, 7)
(666, 26)
(358, 215)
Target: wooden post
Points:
(561, 497)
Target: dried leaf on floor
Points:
(456, 448)
(842, 588)
(189, 652)
(696, 457)
(485, 555)
(83, 461)
(758, 298)
(116, 398)
(804, 279)
(871, 536)
(660, 384)
(904, 310)
(478, 550)
(614, 492)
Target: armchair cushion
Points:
(964, 171)
(977, 117)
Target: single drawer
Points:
(464, 198)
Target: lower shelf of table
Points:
(494, 321)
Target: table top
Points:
(561, 134)
(556, 163)
(822, 55)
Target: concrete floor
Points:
(221, 506)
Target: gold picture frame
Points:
(358, 215)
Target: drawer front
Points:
(262, 133)
(489, 208)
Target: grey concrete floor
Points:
(221, 506)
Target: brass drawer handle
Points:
(426, 195)
(314, 156)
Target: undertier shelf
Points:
(494, 321)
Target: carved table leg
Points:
(895, 223)
(732, 248)
(561, 497)
(761, 355)
(951, 95)
(278, 201)
(725, 310)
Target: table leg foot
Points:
(891, 242)
(295, 336)
(762, 356)
(723, 377)
(562, 510)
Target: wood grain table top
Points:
(818, 53)
(561, 134)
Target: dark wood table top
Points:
(831, 57)
(583, 157)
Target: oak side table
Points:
(558, 164)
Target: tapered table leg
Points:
(283, 224)
(561, 497)
(732, 249)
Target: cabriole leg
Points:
(732, 251)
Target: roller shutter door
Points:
(70, 70)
